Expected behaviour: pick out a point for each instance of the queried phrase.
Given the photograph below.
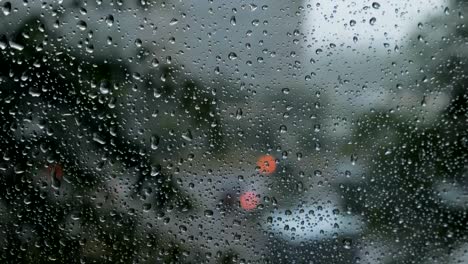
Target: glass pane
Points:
(148, 131)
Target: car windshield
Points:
(304, 131)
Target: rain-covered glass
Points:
(304, 131)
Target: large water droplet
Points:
(81, 25)
(104, 87)
(283, 129)
(155, 62)
(3, 42)
(232, 56)
(146, 207)
(154, 142)
(239, 113)
(155, 170)
(16, 46)
(6, 9)
(208, 213)
(233, 20)
(347, 243)
(173, 22)
(110, 20)
(187, 135)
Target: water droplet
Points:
(104, 87)
(347, 174)
(376, 5)
(112, 102)
(6, 9)
(372, 21)
(317, 128)
(34, 91)
(75, 216)
(98, 139)
(239, 113)
(146, 207)
(285, 90)
(90, 48)
(156, 93)
(233, 20)
(353, 159)
(3, 42)
(347, 243)
(155, 63)
(299, 155)
(283, 129)
(317, 146)
(110, 20)
(81, 25)
(154, 141)
(173, 22)
(208, 213)
(187, 135)
(16, 46)
(138, 42)
(421, 38)
(232, 56)
(155, 170)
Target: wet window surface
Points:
(148, 131)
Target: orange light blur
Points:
(267, 164)
(249, 200)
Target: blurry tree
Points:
(65, 114)
(418, 154)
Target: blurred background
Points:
(149, 131)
